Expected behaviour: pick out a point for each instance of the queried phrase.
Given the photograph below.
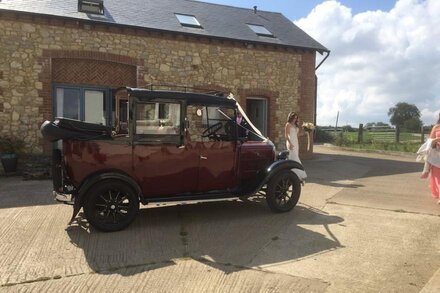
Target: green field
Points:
(409, 142)
(371, 136)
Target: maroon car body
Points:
(159, 160)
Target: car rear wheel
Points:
(283, 191)
(111, 205)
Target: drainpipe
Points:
(316, 99)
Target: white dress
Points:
(293, 137)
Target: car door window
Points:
(158, 122)
(224, 117)
(200, 118)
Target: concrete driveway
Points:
(365, 223)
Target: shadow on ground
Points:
(325, 169)
(230, 236)
(329, 169)
(16, 192)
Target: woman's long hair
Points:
(290, 118)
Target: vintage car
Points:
(176, 146)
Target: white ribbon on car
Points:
(256, 131)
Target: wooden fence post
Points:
(397, 133)
(360, 133)
(422, 134)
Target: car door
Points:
(162, 165)
(217, 167)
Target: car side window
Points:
(157, 121)
(227, 119)
(217, 119)
(195, 125)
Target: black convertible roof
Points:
(192, 98)
(216, 21)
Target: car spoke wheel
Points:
(111, 205)
(283, 191)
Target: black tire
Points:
(111, 205)
(283, 191)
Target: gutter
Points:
(322, 61)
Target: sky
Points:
(382, 53)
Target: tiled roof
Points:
(218, 21)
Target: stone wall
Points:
(30, 46)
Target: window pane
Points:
(223, 116)
(211, 118)
(260, 30)
(195, 122)
(121, 122)
(94, 107)
(158, 118)
(68, 103)
(187, 20)
(207, 117)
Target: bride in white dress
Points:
(291, 134)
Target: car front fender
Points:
(280, 165)
(265, 175)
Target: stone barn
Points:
(67, 58)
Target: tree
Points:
(413, 124)
(403, 112)
(369, 125)
(347, 128)
(382, 124)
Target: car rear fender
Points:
(91, 181)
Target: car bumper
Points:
(63, 198)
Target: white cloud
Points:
(377, 60)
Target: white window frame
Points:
(260, 30)
(188, 20)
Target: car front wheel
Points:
(283, 191)
(111, 205)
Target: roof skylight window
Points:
(91, 6)
(260, 30)
(188, 20)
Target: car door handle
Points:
(203, 158)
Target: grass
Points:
(369, 137)
(387, 146)
(409, 142)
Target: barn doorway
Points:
(256, 110)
